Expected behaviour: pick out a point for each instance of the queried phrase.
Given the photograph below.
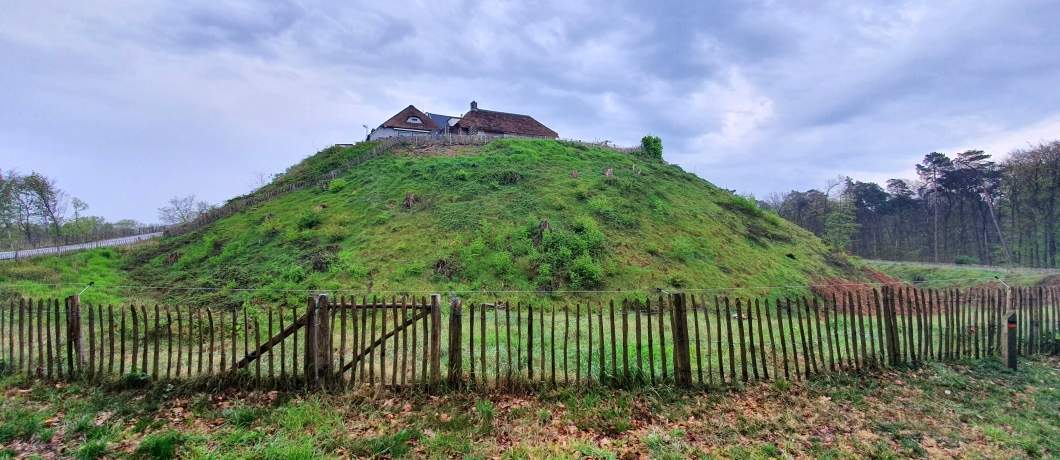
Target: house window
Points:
(414, 120)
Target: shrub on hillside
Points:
(651, 147)
(585, 273)
(337, 185)
(571, 255)
(966, 260)
(308, 220)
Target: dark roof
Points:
(441, 120)
(504, 123)
(400, 121)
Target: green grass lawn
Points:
(61, 276)
(942, 276)
(967, 409)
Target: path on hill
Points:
(123, 241)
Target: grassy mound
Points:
(515, 215)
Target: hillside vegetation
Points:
(515, 215)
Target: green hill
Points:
(514, 215)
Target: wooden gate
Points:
(375, 341)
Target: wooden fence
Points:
(66, 249)
(682, 339)
(49, 242)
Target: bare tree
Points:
(182, 210)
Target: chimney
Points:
(474, 105)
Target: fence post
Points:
(318, 340)
(682, 356)
(455, 355)
(323, 330)
(74, 357)
(436, 339)
(890, 333)
(1009, 344)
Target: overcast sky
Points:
(129, 103)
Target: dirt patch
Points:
(881, 277)
(840, 288)
(860, 291)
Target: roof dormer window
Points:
(414, 120)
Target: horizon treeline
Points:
(961, 208)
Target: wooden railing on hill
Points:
(381, 147)
(681, 339)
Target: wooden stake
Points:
(751, 341)
(519, 338)
(721, 359)
(257, 346)
(861, 332)
(40, 338)
(566, 333)
(552, 340)
(416, 310)
(651, 351)
(807, 350)
(209, 319)
(614, 352)
(761, 341)
(743, 344)
(625, 342)
(603, 346)
(455, 330)
(699, 353)
(544, 356)
(728, 335)
(371, 339)
(180, 349)
(394, 364)
(530, 343)
(637, 337)
(578, 343)
(143, 356)
(508, 340)
(682, 368)
(49, 340)
(662, 338)
(497, 347)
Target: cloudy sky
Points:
(129, 103)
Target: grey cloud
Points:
(756, 96)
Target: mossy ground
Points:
(961, 410)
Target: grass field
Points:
(946, 275)
(968, 409)
(61, 276)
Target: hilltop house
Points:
(412, 122)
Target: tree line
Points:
(36, 212)
(962, 208)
